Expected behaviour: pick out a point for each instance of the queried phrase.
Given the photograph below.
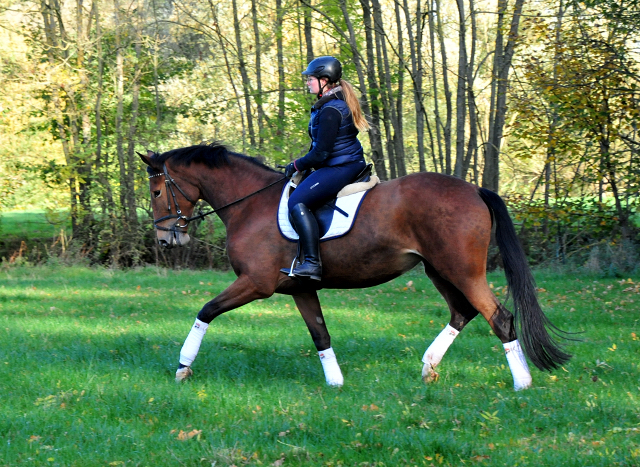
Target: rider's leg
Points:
(307, 227)
(315, 190)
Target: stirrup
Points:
(289, 271)
(314, 274)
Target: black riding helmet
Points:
(325, 67)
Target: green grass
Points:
(30, 224)
(87, 360)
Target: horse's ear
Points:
(146, 159)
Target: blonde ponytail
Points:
(354, 105)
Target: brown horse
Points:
(437, 220)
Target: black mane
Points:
(213, 155)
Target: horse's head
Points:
(173, 200)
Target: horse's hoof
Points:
(183, 373)
(429, 375)
(335, 383)
(521, 384)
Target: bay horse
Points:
(440, 221)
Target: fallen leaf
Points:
(183, 435)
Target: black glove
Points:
(289, 170)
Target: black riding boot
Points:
(306, 225)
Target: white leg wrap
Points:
(439, 346)
(331, 368)
(192, 343)
(436, 351)
(518, 364)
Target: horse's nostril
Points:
(164, 243)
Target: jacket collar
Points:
(328, 97)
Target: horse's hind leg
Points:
(501, 321)
(461, 313)
(309, 307)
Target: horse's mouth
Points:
(176, 239)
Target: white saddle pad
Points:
(340, 224)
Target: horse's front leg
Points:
(242, 291)
(309, 307)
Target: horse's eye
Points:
(157, 193)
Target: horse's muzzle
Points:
(173, 239)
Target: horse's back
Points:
(421, 217)
(430, 199)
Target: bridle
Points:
(169, 183)
(178, 216)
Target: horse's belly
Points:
(368, 270)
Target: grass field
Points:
(87, 359)
(28, 224)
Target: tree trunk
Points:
(434, 83)
(500, 82)
(308, 37)
(461, 94)
(258, 57)
(377, 153)
(230, 75)
(398, 137)
(133, 122)
(156, 79)
(386, 103)
(82, 150)
(472, 146)
(280, 59)
(447, 91)
(383, 63)
(242, 65)
(124, 188)
(415, 51)
(50, 17)
(357, 60)
(101, 166)
(551, 138)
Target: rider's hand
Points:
(290, 169)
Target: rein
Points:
(170, 183)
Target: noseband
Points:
(170, 183)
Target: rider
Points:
(335, 154)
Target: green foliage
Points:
(87, 358)
(576, 232)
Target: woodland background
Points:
(537, 100)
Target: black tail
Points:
(531, 322)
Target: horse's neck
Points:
(240, 179)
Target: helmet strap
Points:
(322, 86)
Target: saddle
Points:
(336, 217)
